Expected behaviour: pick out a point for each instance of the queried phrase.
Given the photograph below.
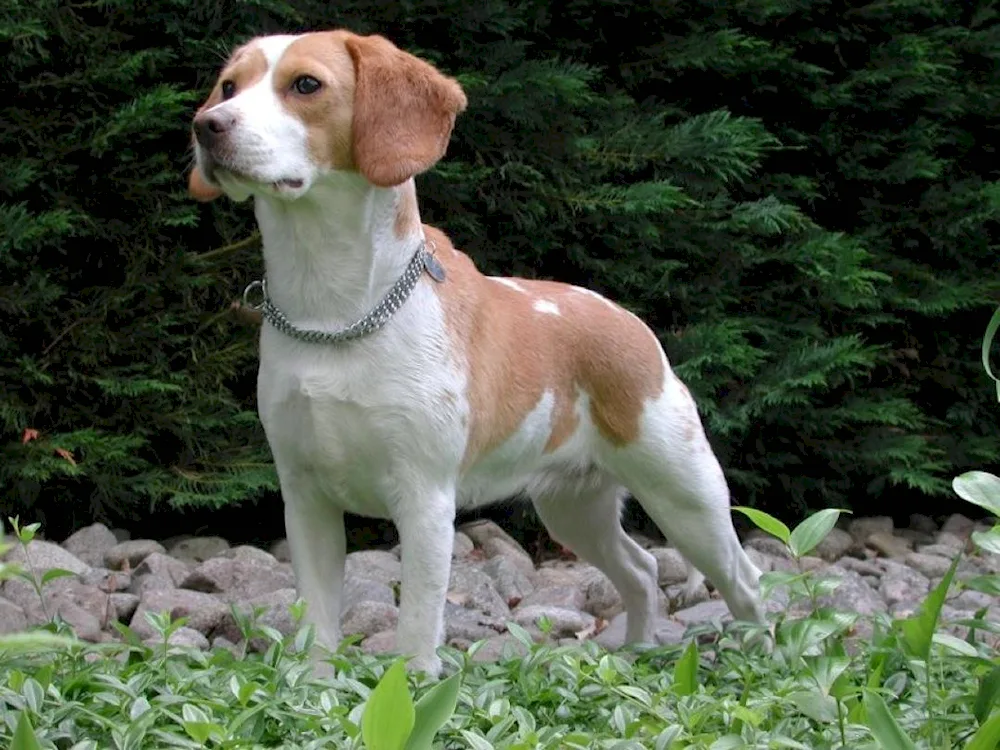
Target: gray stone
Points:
(603, 599)
(122, 535)
(221, 642)
(569, 597)
(109, 581)
(124, 605)
(922, 523)
(471, 587)
(383, 642)
(467, 625)
(363, 590)
(368, 618)
(670, 565)
(204, 611)
(713, 609)
(198, 549)
(854, 594)
(375, 565)
(767, 544)
(281, 550)
(915, 537)
(903, 584)
(950, 540)
(509, 580)
(84, 623)
(666, 632)
(462, 546)
(499, 547)
(480, 531)
(131, 553)
(764, 562)
(238, 579)
(500, 648)
(248, 552)
(157, 571)
(45, 556)
(835, 545)
(974, 600)
(183, 637)
(862, 567)
(959, 525)
(274, 610)
(889, 545)
(565, 622)
(862, 528)
(12, 618)
(91, 543)
(932, 566)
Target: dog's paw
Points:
(429, 665)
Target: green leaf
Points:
(24, 735)
(686, 671)
(825, 670)
(918, 631)
(988, 541)
(988, 735)
(979, 488)
(883, 725)
(766, 521)
(987, 696)
(991, 332)
(432, 712)
(53, 573)
(955, 644)
(812, 531)
(816, 705)
(389, 714)
(986, 584)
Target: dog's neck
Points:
(331, 255)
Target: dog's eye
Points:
(306, 85)
(228, 89)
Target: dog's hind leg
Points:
(585, 517)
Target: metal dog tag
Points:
(434, 267)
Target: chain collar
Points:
(370, 323)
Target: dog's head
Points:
(287, 110)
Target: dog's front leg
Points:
(425, 521)
(318, 545)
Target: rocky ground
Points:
(493, 581)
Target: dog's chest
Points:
(350, 421)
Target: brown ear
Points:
(201, 189)
(404, 111)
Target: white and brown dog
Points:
(449, 389)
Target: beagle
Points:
(396, 381)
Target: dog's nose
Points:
(209, 128)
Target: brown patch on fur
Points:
(328, 112)
(407, 213)
(404, 111)
(201, 189)
(515, 354)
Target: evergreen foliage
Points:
(799, 196)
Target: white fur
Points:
(510, 283)
(379, 427)
(546, 307)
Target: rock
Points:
(204, 611)
(500, 648)
(508, 579)
(670, 565)
(368, 618)
(713, 609)
(603, 599)
(667, 632)
(764, 562)
(132, 553)
(932, 566)
(854, 594)
(221, 642)
(835, 545)
(12, 618)
(90, 543)
(951, 541)
(959, 525)
(940, 550)
(471, 587)
(199, 548)
(888, 544)
(462, 547)
(902, 584)
(565, 622)
(383, 642)
(974, 600)
(248, 552)
(84, 623)
(862, 528)
(182, 638)
(124, 605)
(568, 597)
(481, 531)
(363, 590)
(499, 547)
(45, 556)
(915, 537)
(375, 565)
(281, 550)
(274, 610)
(862, 567)
(467, 625)
(158, 571)
(109, 581)
(565, 573)
(768, 545)
(238, 579)
(122, 535)
(922, 523)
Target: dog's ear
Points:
(201, 189)
(404, 111)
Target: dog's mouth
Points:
(288, 184)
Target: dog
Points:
(396, 381)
